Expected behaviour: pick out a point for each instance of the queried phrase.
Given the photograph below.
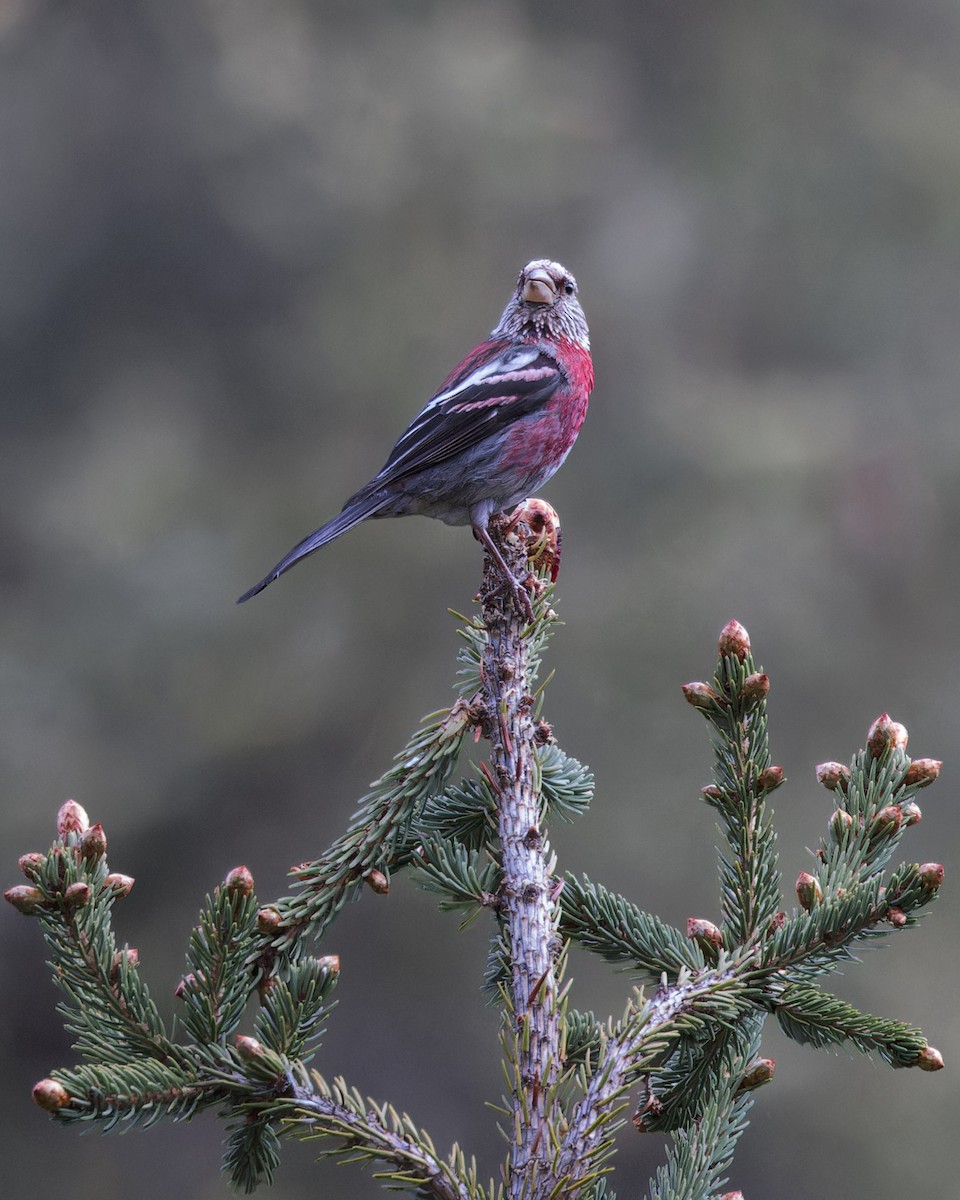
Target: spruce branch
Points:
(744, 774)
(365, 1131)
(377, 838)
(621, 932)
(690, 1046)
(508, 660)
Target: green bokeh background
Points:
(241, 242)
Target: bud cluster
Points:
(70, 875)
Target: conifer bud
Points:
(267, 984)
(76, 894)
(911, 813)
(930, 875)
(885, 734)
(24, 898)
(769, 779)
(239, 881)
(887, 821)
(922, 772)
(186, 984)
(269, 920)
(777, 921)
(809, 891)
(120, 885)
(704, 933)
(71, 818)
(93, 844)
(50, 1095)
(700, 695)
(249, 1048)
(833, 776)
(756, 687)
(129, 955)
(711, 792)
(732, 1196)
(734, 640)
(930, 1059)
(377, 881)
(32, 864)
(840, 822)
(330, 963)
(757, 1074)
(896, 916)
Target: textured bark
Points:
(527, 903)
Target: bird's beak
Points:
(539, 288)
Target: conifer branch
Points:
(480, 843)
(377, 838)
(527, 898)
(369, 1132)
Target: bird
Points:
(499, 426)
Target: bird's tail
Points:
(356, 510)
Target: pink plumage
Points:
(499, 426)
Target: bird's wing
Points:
(487, 392)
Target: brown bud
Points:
(700, 695)
(769, 779)
(93, 844)
(704, 932)
(50, 1095)
(756, 687)
(377, 881)
(76, 894)
(248, 1047)
(711, 792)
(32, 864)
(840, 822)
(922, 772)
(777, 921)
(896, 916)
(809, 891)
(885, 734)
(129, 955)
(930, 1059)
(757, 1074)
(267, 985)
(887, 821)
(732, 1196)
(833, 776)
(734, 640)
(930, 875)
(330, 963)
(269, 920)
(186, 984)
(911, 813)
(652, 1106)
(71, 818)
(120, 885)
(239, 881)
(24, 899)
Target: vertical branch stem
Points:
(528, 908)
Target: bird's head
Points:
(544, 304)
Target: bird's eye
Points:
(569, 288)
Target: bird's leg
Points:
(521, 597)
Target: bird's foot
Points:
(519, 589)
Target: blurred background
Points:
(241, 244)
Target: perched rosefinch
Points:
(501, 424)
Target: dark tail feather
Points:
(355, 512)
